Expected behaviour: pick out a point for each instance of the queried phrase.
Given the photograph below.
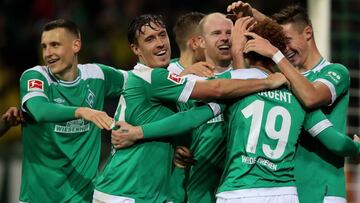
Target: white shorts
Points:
(334, 199)
(259, 195)
(100, 197)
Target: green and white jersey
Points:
(263, 130)
(61, 159)
(207, 144)
(142, 172)
(318, 172)
(175, 66)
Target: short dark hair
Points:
(63, 23)
(185, 26)
(135, 26)
(293, 14)
(270, 30)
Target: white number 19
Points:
(256, 110)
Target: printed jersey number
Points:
(256, 110)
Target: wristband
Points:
(277, 57)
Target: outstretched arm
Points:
(339, 143)
(233, 88)
(62, 113)
(173, 125)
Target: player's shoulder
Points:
(91, 71)
(334, 68)
(37, 72)
(248, 73)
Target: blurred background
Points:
(103, 24)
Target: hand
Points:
(13, 116)
(126, 135)
(276, 80)
(242, 26)
(356, 138)
(99, 118)
(240, 9)
(356, 160)
(183, 157)
(259, 45)
(202, 69)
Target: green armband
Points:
(178, 123)
(44, 111)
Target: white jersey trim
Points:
(257, 192)
(185, 94)
(91, 71)
(143, 72)
(175, 67)
(103, 197)
(250, 73)
(43, 71)
(331, 88)
(319, 127)
(334, 199)
(122, 103)
(31, 95)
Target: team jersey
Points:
(263, 130)
(142, 171)
(207, 143)
(318, 172)
(61, 158)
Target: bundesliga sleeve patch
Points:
(175, 78)
(35, 85)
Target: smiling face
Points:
(59, 50)
(216, 35)
(152, 46)
(297, 49)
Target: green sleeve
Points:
(178, 123)
(115, 80)
(338, 143)
(49, 112)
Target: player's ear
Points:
(202, 42)
(308, 31)
(193, 44)
(76, 45)
(135, 49)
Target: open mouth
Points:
(290, 54)
(52, 61)
(160, 53)
(224, 47)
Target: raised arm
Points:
(311, 95)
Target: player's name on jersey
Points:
(278, 95)
(74, 126)
(259, 160)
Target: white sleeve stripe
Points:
(122, 104)
(319, 127)
(31, 95)
(331, 88)
(185, 94)
(215, 107)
